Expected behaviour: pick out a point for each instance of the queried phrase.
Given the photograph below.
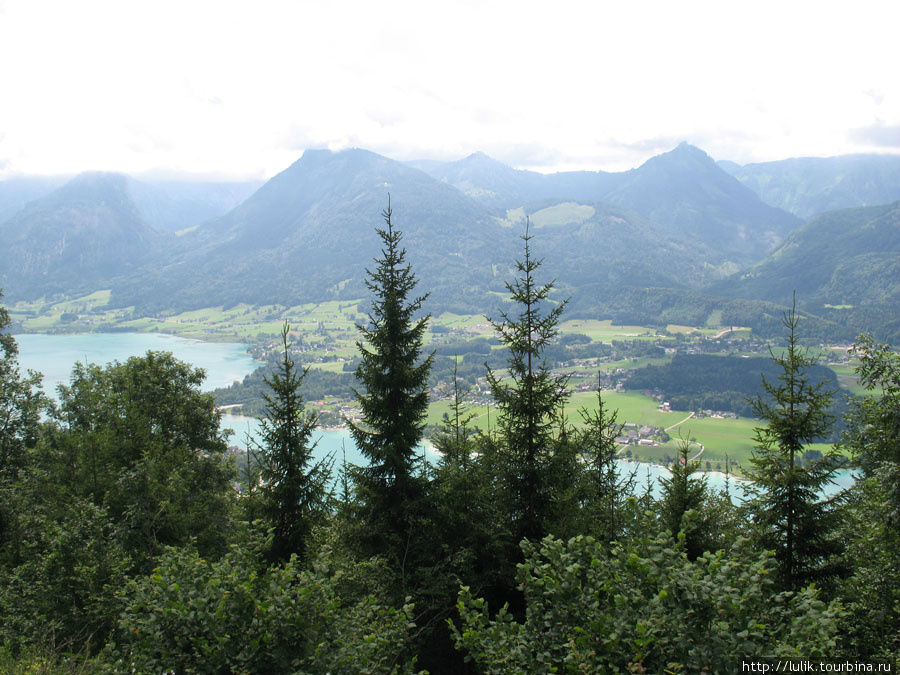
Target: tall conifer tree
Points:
(394, 402)
(294, 489)
(790, 516)
(605, 489)
(683, 492)
(528, 397)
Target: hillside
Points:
(15, 193)
(683, 191)
(308, 234)
(807, 186)
(652, 244)
(686, 192)
(840, 262)
(501, 187)
(75, 238)
(164, 204)
(176, 205)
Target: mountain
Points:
(78, 236)
(841, 261)
(811, 185)
(487, 181)
(652, 249)
(15, 193)
(691, 196)
(308, 234)
(166, 205)
(177, 205)
(684, 191)
(605, 248)
(497, 185)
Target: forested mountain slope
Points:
(806, 186)
(78, 236)
(844, 264)
(684, 191)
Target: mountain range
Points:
(808, 186)
(681, 230)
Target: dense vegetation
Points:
(126, 547)
(250, 392)
(728, 383)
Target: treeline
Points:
(251, 391)
(730, 383)
(125, 547)
(631, 305)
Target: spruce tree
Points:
(604, 489)
(393, 400)
(455, 439)
(682, 493)
(528, 396)
(788, 512)
(294, 488)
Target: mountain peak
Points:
(98, 181)
(479, 156)
(685, 149)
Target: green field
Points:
(605, 331)
(562, 214)
(720, 437)
(328, 335)
(846, 374)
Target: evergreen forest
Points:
(132, 542)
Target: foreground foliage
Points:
(193, 615)
(645, 604)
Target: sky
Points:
(239, 90)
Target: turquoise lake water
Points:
(224, 363)
(55, 355)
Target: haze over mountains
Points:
(664, 235)
(808, 186)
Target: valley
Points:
(680, 257)
(325, 335)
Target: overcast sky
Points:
(240, 89)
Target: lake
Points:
(55, 355)
(224, 363)
(338, 443)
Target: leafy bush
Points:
(59, 594)
(195, 616)
(589, 609)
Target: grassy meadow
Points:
(327, 332)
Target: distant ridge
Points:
(683, 190)
(309, 233)
(848, 259)
(807, 186)
(688, 193)
(652, 244)
(78, 236)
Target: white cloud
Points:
(242, 89)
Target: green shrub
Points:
(589, 609)
(195, 616)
